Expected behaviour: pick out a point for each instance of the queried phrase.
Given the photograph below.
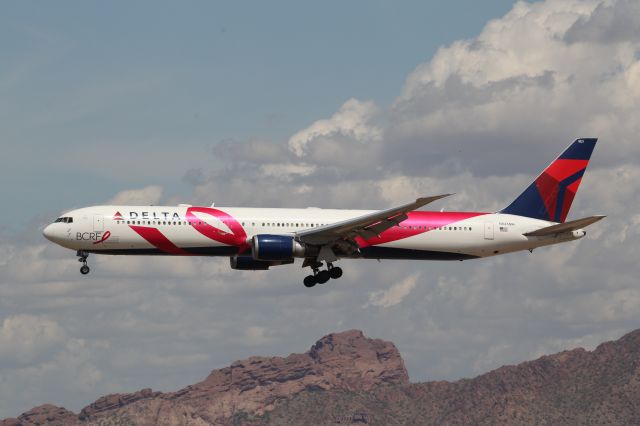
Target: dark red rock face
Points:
(45, 414)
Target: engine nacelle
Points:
(248, 263)
(275, 247)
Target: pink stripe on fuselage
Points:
(417, 223)
(158, 240)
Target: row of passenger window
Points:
(180, 222)
(452, 228)
(269, 224)
(157, 222)
(288, 225)
(438, 228)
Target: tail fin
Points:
(549, 197)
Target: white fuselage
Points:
(187, 230)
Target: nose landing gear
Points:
(322, 276)
(82, 257)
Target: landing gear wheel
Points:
(335, 272)
(309, 281)
(82, 257)
(323, 277)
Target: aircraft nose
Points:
(48, 232)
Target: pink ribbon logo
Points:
(105, 237)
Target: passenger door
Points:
(488, 230)
(98, 222)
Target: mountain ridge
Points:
(347, 378)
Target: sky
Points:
(335, 104)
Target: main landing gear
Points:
(322, 276)
(82, 257)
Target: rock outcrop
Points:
(45, 414)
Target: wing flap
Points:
(565, 227)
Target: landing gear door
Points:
(98, 222)
(488, 231)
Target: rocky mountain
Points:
(347, 378)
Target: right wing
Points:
(366, 226)
(564, 227)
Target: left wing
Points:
(367, 226)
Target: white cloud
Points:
(395, 294)
(24, 338)
(138, 197)
(256, 335)
(353, 120)
(517, 91)
(613, 22)
(286, 171)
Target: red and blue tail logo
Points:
(550, 196)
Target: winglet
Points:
(423, 201)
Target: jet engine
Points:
(276, 247)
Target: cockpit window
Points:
(64, 220)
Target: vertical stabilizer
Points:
(549, 197)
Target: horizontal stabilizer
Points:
(565, 227)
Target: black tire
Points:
(335, 273)
(323, 277)
(84, 269)
(309, 281)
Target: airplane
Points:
(260, 238)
